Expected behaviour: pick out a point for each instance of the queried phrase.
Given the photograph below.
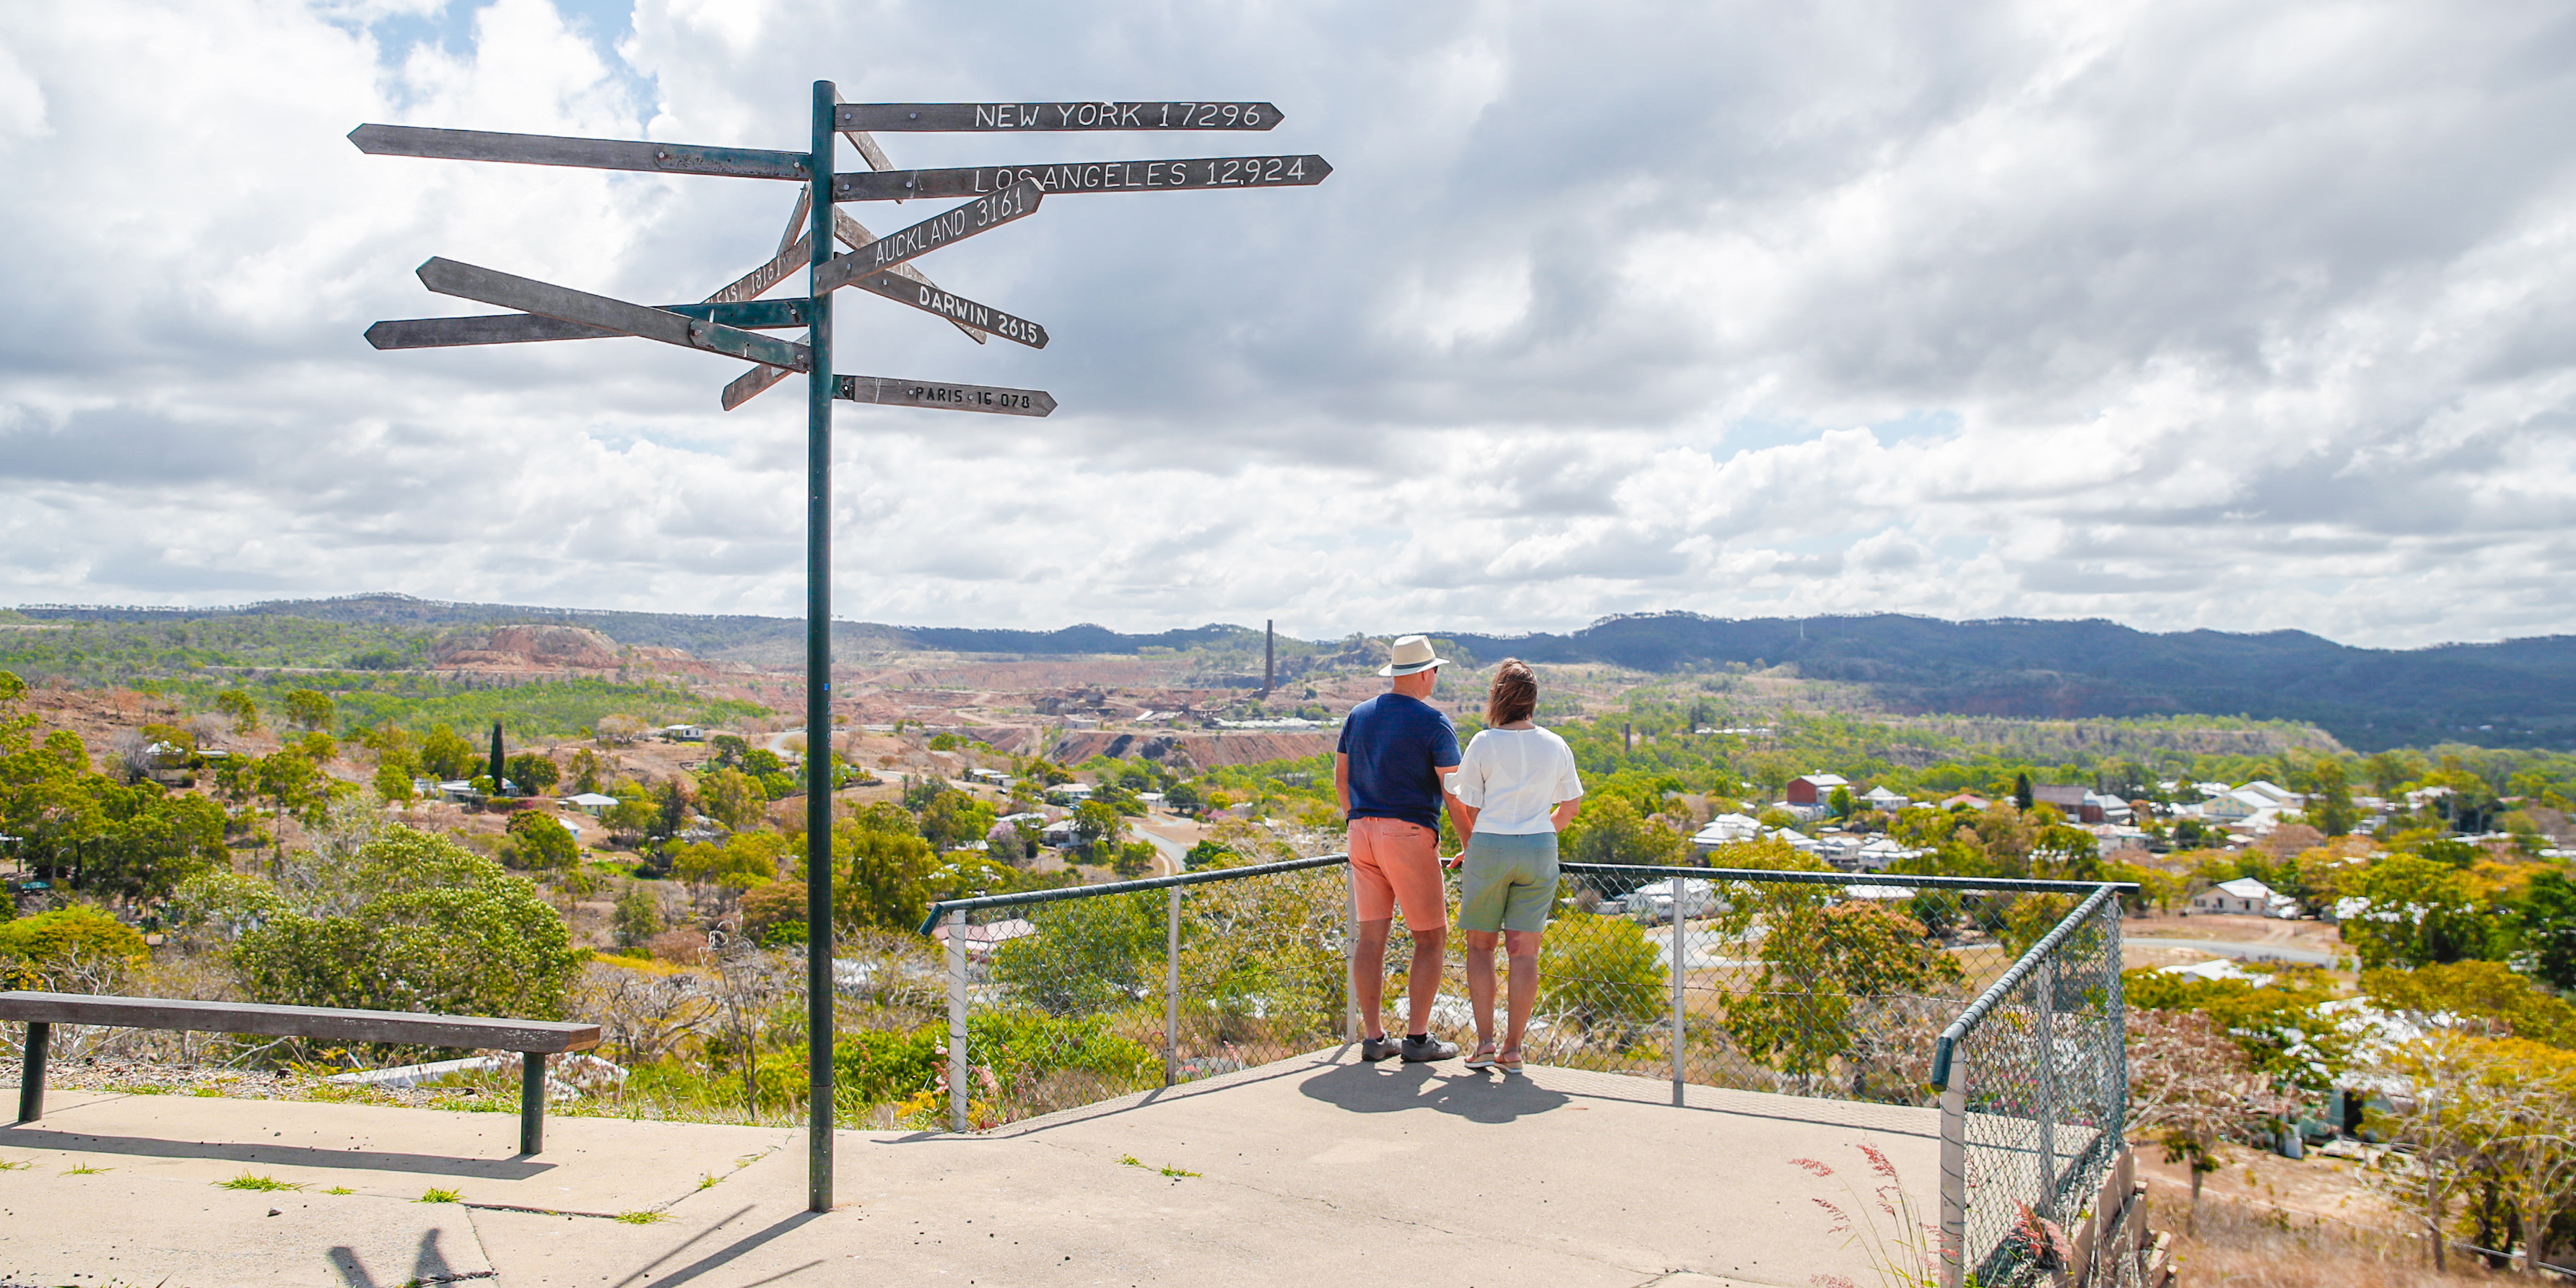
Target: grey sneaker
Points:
(1428, 1050)
(1376, 1049)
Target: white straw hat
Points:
(1413, 653)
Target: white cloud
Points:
(2188, 315)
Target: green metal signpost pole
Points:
(818, 669)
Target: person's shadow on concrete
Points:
(1476, 1097)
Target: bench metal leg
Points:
(532, 1102)
(31, 1083)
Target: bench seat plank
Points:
(471, 1032)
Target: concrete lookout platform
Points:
(1312, 1170)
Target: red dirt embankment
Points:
(1208, 750)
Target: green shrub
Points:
(413, 922)
(33, 950)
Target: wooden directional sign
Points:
(1085, 176)
(592, 154)
(887, 391)
(956, 308)
(760, 279)
(1055, 116)
(983, 214)
(466, 281)
(524, 328)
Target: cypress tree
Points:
(2022, 798)
(496, 757)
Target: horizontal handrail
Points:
(2012, 978)
(2011, 885)
(1025, 897)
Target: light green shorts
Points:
(1508, 882)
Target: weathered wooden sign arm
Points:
(490, 286)
(589, 154)
(982, 215)
(526, 328)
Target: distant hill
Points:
(2518, 693)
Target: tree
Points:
(534, 772)
(1842, 980)
(538, 841)
(2478, 997)
(446, 754)
(499, 769)
(411, 922)
(306, 708)
(2022, 797)
(1840, 802)
(2441, 1124)
(2546, 921)
(2409, 911)
(775, 913)
(1134, 859)
(730, 797)
(2332, 811)
(1183, 798)
(1610, 830)
(618, 731)
(238, 705)
(637, 915)
(1096, 830)
(885, 872)
(951, 819)
(2190, 1087)
(587, 767)
(392, 784)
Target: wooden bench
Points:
(534, 1040)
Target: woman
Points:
(1513, 791)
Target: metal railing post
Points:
(1954, 1175)
(2044, 981)
(1680, 945)
(1172, 988)
(957, 1089)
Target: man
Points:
(1394, 752)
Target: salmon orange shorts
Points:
(1396, 863)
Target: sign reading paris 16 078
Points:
(729, 322)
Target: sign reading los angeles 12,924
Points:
(1085, 176)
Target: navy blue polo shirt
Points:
(1398, 748)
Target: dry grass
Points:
(2244, 1246)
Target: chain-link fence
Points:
(2033, 1079)
(1059, 998)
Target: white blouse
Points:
(1513, 778)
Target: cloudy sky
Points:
(2233, 315)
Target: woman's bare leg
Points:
(1522, 947)
(1480, 984)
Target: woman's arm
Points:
(1563, 815)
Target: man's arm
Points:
(1342, 780)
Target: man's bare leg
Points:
(1422, 983)
(1368, 975)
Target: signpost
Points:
(730, 321)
